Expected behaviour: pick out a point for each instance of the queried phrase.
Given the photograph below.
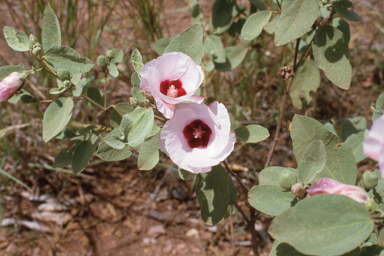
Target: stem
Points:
(94, 103)
(242, 213)
(253, 231)
(304, 54)
(282, 110)
(105, 89)
(296, 53)
(160, 118)
(235, 175)
(44, 101)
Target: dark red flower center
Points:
(197, 134)
(172, 89)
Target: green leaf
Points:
(2, 207)
(371, 251)
(16, 39)
(323, 225)
(329, 48)
(118, 56)
(213, 194)
(112, 69)
(355, 142)
(254, 24)
(379, 107)
(185, 175)
(135, 90)
(305, 82)
(79, 86)
(259, 4)
(271, 26)
(213, 46)
(270, 175)
(18, 96)
(81, 156)
(270, 199)
(353, 126)
(282, 249)
(235, 55)
(189, 42)
(137, 60)
(50, 34)
(340, 164)
(312, 162)
(341, 7)
(115, 139)
(56, 117)
(197, 14)
(136, 125)
(343, 26)
(65, 57)
(118, 112)
(252, 133)
(149, 153)
(96, 95)
(378, 193)
(223, 12)
(297, 18)
(108, 153)
(64, 158)
(7, 70)
(232, 191)
(160, 45)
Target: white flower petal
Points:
(374, 143)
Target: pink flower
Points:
(9, 85)
(374, 144)
(330, 186)
(198, 136)
(172, 78)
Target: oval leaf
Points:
(234, 56)
(160, 45)
(270, 175)
(108, 153)
(213, 46)
(327, 220)
(254, 24)
(189, 42)
(297, 18)
(312, 162)
(56, 117)
(81, 156)
(16, 39)
(50, 34)
(252, 133)
(149, 153)
(270, 199)
(341, 7)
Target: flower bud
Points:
(32, 41)
(10, 85)
(330, 186)
(287, 178)
(64, 74)
(110, 54)
(298, 190)
(67, 84)
(102, 61)
(370, 180)
(133, 101)
(36, 49)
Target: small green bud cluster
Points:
(370, 180)
(103, 62)
(287, 179)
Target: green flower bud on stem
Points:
(103, 62)
(27, 98)
(287, 178)
(110, 54)
(64, 74)
(370, 180)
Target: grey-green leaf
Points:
(235, 55)
(352, 126)
(185, 175)
(50, 34)
(64, 158)
(81, 156)
(343, 26)
(323, 225)
(137, 60)
(271, 26)
(259, 4)
(312, 162)
(270, 199)
(283, 249)
(341, 7)
(149, 153)
(222, 15)
(189, 42)
(118, 112)
(329, 48)
(65, 57)
(56, 117)
(7, 70)
(297, 18)
(213, 194)
(16, 39)
(96, 95)
(270, 175)
(213, 46)
(379, 107)
(254, 24)
(108, 153)
(160, 45)
(252, 133)
(112, 69)
(305, 82)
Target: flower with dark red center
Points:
(172, 78)
(198, 136)
(10, 85)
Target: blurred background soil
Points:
(115, 209)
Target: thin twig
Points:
(242, 213)
(235, 175)
(105, 89)
(94, 103)
(296, 53)
(252, 222)
(160, 118)
(302, 56)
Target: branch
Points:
(235, 175)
